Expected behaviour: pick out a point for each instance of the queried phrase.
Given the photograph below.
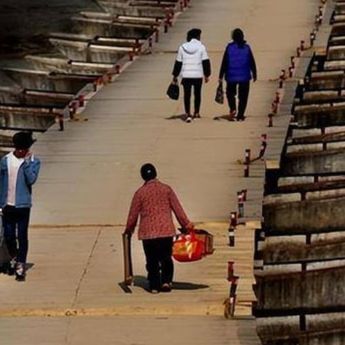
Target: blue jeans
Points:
(16, 223)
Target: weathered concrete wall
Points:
(285, 252)
(305, 216)
(315, 289)
(320, 162)
(26, 122)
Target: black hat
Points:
(23, 140)
(148, 172)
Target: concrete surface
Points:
(91, 169)
(90, 172)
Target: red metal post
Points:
(60, 121)
(292, 58)
(240, 204)
(298, 52)
(244, 194)
(302, 45)
(232, 227)
(131, 56)
(230, 270)
(312, 38)
(247, 156)
(277, 99)
(263, 145)
(232, 295)
(246, 163)
(81, 100)
(233, 219)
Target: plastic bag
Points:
(219, 94)
(188, 248)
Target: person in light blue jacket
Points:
(18, 172)
(238, 67)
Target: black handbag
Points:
(219, 94)
(173, 91)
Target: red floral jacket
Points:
(154, 202)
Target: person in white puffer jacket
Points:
(192, 64)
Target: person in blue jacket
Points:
(18, 172)
(238, 67)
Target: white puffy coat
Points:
(191, 54)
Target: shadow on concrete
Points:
(181, 117)
(188, 286)
(29, 265)
(125, 287)
(142, 282)
(224, 117)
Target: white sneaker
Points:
(189, 119)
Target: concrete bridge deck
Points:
(90, 172)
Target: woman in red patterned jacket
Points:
(154, 202)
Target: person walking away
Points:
(193, 64)
(239, 67)
(18, 172)
(154, 203)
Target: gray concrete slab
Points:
(140, 330)
(79, 270)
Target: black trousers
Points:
(159, 264)
(243, 92)
(188, 83)
(16, 223)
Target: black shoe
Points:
(11, 271)
(20, 277)
(166, 287)
(9, 268)
(242, 118)
(20, 272)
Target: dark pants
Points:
(159, 264)
(243, 92)
(16, 223)
(188, 83)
